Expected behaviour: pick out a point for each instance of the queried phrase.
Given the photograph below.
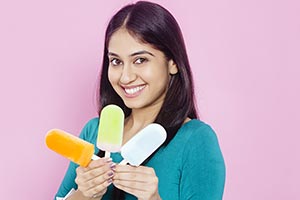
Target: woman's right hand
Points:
(94, 179)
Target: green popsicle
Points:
(110, 132)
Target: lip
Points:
(133, 91)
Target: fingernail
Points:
(113, 166)
(108, 160)
(109, 181)
(110, 174)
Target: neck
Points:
(138, 119)
(144, 116)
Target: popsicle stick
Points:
(123, 162)
(94, 157)
(107, 154)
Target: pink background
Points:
(246, 61)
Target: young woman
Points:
(146, 72)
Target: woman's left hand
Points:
(140, 181)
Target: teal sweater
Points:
(190, 167)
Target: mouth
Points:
(133, 91)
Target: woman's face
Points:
(138, 73)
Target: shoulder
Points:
(196, 131)
(92, 122)
(90, 129)
(199, 140)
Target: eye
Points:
(140, 60)
(115, 61)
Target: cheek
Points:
(158, 74)
(112, 76)
(154, 71)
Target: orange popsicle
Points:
(77, 150)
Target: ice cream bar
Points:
(77, 150)
(143, 144)
(110, 132)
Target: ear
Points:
(172, 67)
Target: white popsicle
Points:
(143, 144)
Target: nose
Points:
(128, 75)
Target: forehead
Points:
(123, 43)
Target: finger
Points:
(131, 189)
(84, 176)
(93, 164)
(130, 169)
(99, 180)
(98, 163)
(134, 185)
(99, 189)
(99, 171)
(134, 174)
(131, 177)
(132, 181)
(141, 184)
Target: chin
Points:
(133, 105)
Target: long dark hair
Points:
(154, 25)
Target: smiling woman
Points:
(138, 73)
(146, 72)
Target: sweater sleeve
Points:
(203, 171)
(69, 179)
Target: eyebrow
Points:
(133, 54)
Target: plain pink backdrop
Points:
(246, 61)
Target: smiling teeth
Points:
(133, 90)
